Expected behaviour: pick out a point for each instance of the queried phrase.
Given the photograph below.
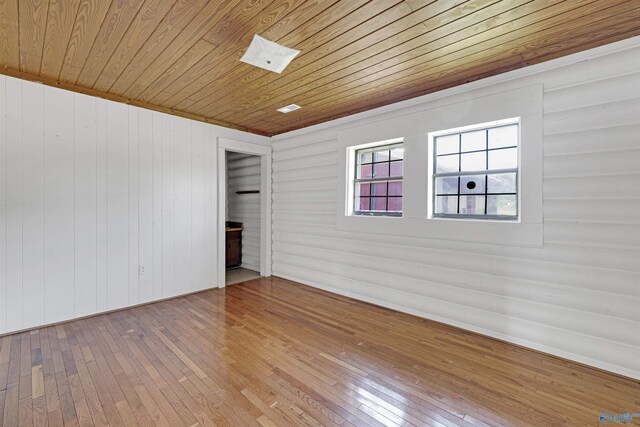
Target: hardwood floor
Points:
(274, 353)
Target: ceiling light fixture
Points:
(289, 108)
(269, 55)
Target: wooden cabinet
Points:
(234, 244)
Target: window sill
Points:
(376, 215)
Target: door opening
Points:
(244, 211)
(242, 224)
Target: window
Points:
(476, 172)
(378, 180)
(417, 128)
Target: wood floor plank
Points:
(3, 394)
(25, 367)
(10, 414)
(84, 394)
(25, 412)
(272, 352)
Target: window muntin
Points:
(476, 173)
(378, 180)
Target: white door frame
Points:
(224, 145)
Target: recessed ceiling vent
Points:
(269, 55)
(289, 108)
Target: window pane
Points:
(379, 203)
(473, 141)
(395, 204)
(397, 153)
(381, 156)
(472, 205)
(503, 159)
(473, 161)
(472, 184)
(504, 136)
(380, 170)
(447, 164)
(395, 188)
(364, 158)
(447, 144)
(446, 204)
(364, 171)
(364, 204)
(502, 183)
(396, 168)
(380, 189)
(484, 150)
(502, 205)
(447, 185)
(363, 189)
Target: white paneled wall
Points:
(578, 296)
(91, 189)
(243, 175)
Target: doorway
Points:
(242, 233)
(244, 211)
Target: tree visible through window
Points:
(476, 173)
(378, 180)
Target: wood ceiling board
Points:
(618, 31)
(9, 34)
(601, 32)
(289, 24)
(245, 11)
(273, 28)
(474, 73)
(324, 27)
(181, 56)
(346, 31)
(198, 51)
(61, 15)
(33, 22)
(434, 50)
(117, 21)
(188, 37)
(321, 56)
(176, 20)
(87, 23)
(139, 31)
(373, 54)
(503, 40)
(372, 9)
(423, 55)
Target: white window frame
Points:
(414, 124)
(352, 159)
(432, 172)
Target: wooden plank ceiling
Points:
(182, 56)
